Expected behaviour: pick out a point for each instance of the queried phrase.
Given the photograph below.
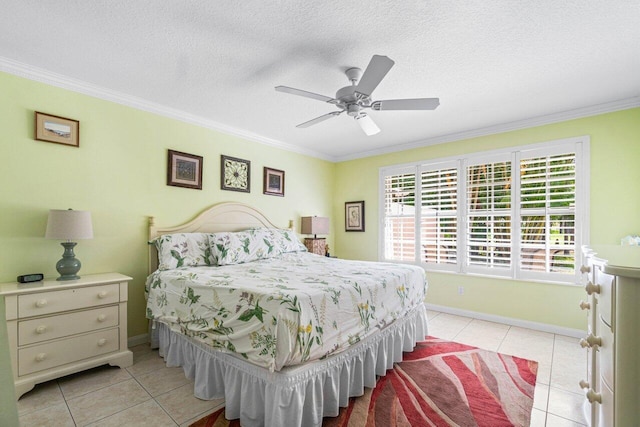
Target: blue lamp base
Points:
(69, 265)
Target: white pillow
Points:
(183, 250)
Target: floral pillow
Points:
(243, 246)
(183, 250)
(286, 240)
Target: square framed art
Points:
(184, 170)
(235, 174)
(354, 216)
(57, 129)
(273, 182)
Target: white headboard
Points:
(227, 216)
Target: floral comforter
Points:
(284, 310)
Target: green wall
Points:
(119, 174)
(614, 213)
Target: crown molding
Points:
(38, 74)
(578, 113)
(41, 75)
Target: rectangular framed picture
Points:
(354, 216)
(235, 174)
(273, 182)
(56, 129)
(184, 170)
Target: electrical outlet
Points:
(460, 290)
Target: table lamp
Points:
(69, 225)
(315, 225)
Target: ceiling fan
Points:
(356, 98)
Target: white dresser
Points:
(611, 275)
(57, 328)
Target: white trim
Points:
(38, 74)
(537, 326)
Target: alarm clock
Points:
(28, 278)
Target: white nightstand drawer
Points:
(62, 325)
(68, 299)
(57, 353)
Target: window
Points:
(439, 215)
(519, 213)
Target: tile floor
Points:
(150, 394)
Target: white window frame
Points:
(579, 145)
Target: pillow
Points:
(183, 250)
(243, 246)
(286, 240)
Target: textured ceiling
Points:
(492, 63)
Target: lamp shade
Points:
(315, 225)
(69, 225)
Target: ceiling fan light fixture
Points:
(367, 124)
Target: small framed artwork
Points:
(57, 129)
(354, 216)
(184, 170)
(273, 182)
(235, 174)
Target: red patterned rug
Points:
(440, 383)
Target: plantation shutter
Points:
(439, 216)
(400, 216)
(519, 212)
(547, 213)
(489, 216)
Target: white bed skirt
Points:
(298, 395)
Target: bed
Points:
(285, 336)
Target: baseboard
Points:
(543, 327)
(137, 340)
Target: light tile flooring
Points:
(150, 394)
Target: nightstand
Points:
(316, 246)
(58, 328)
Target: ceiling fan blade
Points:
(407, 104)
(319, 119)
(378, 67)
(299, 92)
(367, 124)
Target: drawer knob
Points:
(583, 384)
(101, 342)
(40, 357)
(585, 305)
(592, 396)
(591, 341)
(585, 269)
(41, 303)
(41, 329)
(102, 318)
(591, 288)
(102, 294)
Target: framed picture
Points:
(273, 182)
(354, 216)
(57, 129)
(184, 170)
(235, 174)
